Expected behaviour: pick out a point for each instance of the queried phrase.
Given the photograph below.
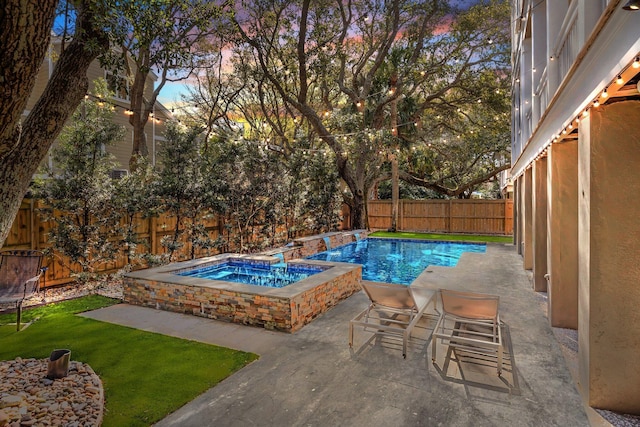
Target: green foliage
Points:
(134, 198)
(323, 201)
(145, 375)
(188, 186)
(254, 202)
(77, 191)
(407, 191)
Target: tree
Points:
(343, 65)
(25, 35)
(298, 183)
(187, 186)
(78, 191)
(168, 36)
(134, 198)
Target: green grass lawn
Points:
(145, 375)
(449, 237)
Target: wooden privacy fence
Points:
(29, 231)
(445, 216)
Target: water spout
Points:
(357, 236)
(327, 242)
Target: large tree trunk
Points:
(139, 118)
(358, 211)
(24, 40)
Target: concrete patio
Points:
(312, 377)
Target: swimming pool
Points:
(269, 275)
(397, 260)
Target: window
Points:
(118, 85)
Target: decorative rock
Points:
(4, 418)
(27, 398)
(10, 401)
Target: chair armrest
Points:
(31, 286)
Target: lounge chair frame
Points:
(470, 322)
(20, 272)
(394, 310)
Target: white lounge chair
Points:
(394, 310)
(470, 322)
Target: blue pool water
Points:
(395, 260)
(273, 276)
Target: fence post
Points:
(153, 238)
(450, 225)
(32, 220)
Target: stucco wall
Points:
(609, 247)
(562, 217)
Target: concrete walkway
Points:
(313, 378)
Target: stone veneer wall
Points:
(310, 304)
(311, 245)
(271, 312)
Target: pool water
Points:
(273, 276)
(395, 260)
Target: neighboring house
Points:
(506, 184)
(122, 150)
(576, 156)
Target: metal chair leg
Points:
(19, 311)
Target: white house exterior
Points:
(576, 173)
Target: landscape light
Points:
(632, 5)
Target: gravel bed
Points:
(29, 398)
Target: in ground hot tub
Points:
(177, 287)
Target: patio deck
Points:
(311, 377)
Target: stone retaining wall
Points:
(285, 309)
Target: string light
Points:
(101, 102)
(636, 63)
(619, 80)
(604, 93)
